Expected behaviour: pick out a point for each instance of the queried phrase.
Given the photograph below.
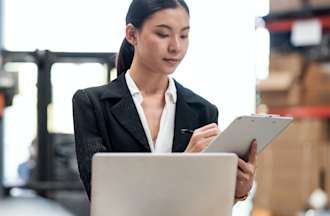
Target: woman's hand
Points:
(246, 172)
(202, 137)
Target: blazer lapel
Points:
(185, 118)
(125, 111)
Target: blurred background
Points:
(257, 56)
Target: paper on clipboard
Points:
(238, 135)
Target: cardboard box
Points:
(317, 76)
(316, 85)
(303, 131)
(286, 63)
(278, 6)
(289, 169)
(319, 3)
(292, 176)
(326, 166)
(288, 96)
(282, 88)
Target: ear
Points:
(131, 34)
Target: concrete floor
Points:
(31, 206)
(23, 202)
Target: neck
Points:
(149, 82)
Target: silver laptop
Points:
(163, 184)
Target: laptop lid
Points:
(163, 184)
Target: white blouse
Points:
(165, 135)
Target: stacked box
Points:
(288, 170)
(279, 6)
(286, 62)
(316, 85)
(319, 3)
(282, 88)
(290, 96)
(326, 162)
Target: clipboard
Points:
(238, 135)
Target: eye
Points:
(184, 36)
(162, 35)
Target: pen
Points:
(187, 131)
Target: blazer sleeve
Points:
(215, 115)
(211, 114)
(88, 138)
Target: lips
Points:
(172, 61)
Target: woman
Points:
(145, 110)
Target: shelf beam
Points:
(287, 24)
(302, 111)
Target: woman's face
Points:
(162, 42)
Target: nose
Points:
(174, 45)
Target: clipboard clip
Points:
(265, 115)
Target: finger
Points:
(198, 145)
(212, 132)
(205, 143)
(206, 127)
(241, 176)
(244, 167)
(253, 153)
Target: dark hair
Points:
(138, 12)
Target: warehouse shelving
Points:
(282, 22)
(320, 111)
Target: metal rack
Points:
(1, 120)
(306, 12)
(44, 61)
(280, 26)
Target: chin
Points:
(168, 70)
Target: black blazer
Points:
(106, 120)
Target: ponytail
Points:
(125, 57)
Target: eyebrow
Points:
(168, 27)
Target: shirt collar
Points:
(131, 85)
(171, 91)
